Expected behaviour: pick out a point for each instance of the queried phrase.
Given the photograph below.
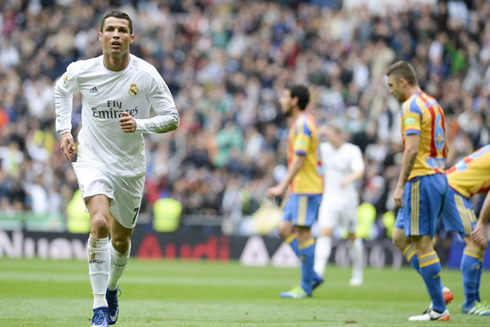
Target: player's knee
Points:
(423, 244)
(469, 243)
(351, 237)
(121, 244)
(481, 246)
(399, 242)
(99, 225)
(285, 231)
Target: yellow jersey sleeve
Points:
(411, 117)
(302, 140)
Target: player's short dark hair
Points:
(117, 14)
(403, 69)
(300, 92)
(337, 126)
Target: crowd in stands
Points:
(225, 63)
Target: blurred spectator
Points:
(224, 61)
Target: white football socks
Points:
(118, 264)
(355, 253)
(323, 249)
(98, 268)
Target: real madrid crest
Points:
(133, 90)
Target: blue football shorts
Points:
(302, 210)
(424, 201)
(458, 214)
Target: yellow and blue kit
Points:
(469, 176)
(425, 191)
(306, 188)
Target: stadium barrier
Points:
(251, 251)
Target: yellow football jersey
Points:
(471, 175)
(422, 115)
(303, 140)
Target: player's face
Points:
(330, 134)
(333, 136)
(286, 102)
(396, 87)
(116, 37)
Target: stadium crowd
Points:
(225, 62)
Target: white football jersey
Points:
(105, 96)
(336, 165)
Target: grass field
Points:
(176, 293)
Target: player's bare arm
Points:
(280, 189)
(351, 178)
(68, 146)
(479, 234)
(409, 156)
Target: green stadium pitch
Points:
(202, 293)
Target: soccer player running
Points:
(117, 91)
(422, 185)
(469, 176)
(305, 187)
(342, 166)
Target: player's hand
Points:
(127, 123)
(479, 236)
(276, 191)
(343, 183)
(398, 196)
(68, 146)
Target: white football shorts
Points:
(124, 193)
(338, 214)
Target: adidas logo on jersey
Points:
(94, 90)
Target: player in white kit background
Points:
(118, 90)
(342, 166)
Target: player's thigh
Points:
(128, 193)
(424, 199)
(399, 239)
(329, 214)
(286, 229)
(458, 214)
(98, 206)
